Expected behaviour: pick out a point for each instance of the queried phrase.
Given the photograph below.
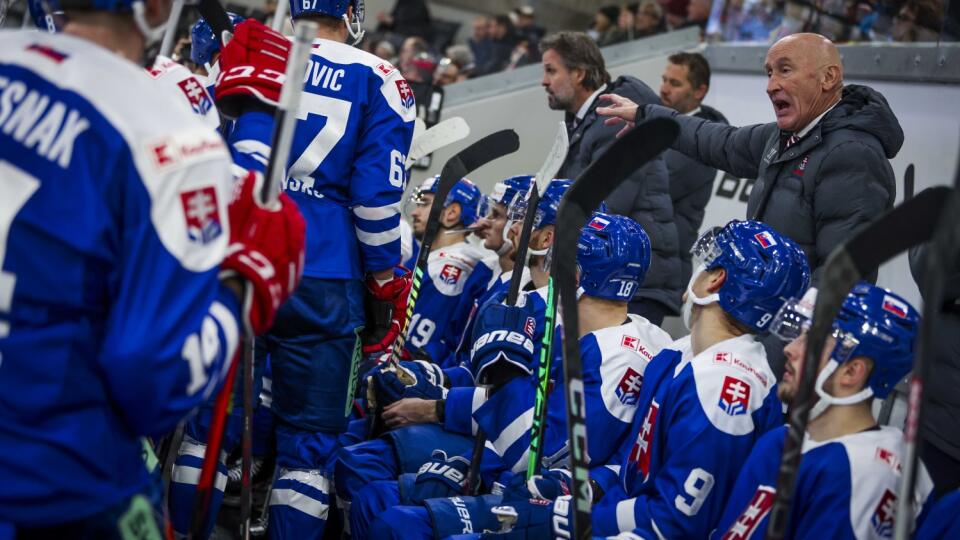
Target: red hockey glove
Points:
(266, 249)
(252, 66)
(386, 308)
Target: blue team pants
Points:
(314, 349)
(368, 503)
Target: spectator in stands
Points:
(524, 21)
(446, 73)
(941, 414)
(479, 41)
(649, 20)
(675, 11)
(698, 13)
(604, 29)
(408, 18)
(822, 168)
(686, 81)
(411, 47)
(918, 20)
(462, 57)
(524, 53)
(574, 75)
(418, 71)
(384, 50)
(502, 41)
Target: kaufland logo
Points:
(765, 239)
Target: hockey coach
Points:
(822, 168)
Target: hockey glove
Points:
(423, 380)
(439, 477)
(503, 335)
(550, 485)
(532, 518)
(252, 67)
(266, 249)
(386, 309)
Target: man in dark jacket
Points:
(686, 81)
(822, 168)
(574, 75)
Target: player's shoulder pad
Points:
(185, 88)
(450, 268)
(393, 87)
(732, 381)
(183, 164)
(624, 352)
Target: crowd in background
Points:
(427, 52)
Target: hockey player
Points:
(456, 271)
(701, 407)
(613, 255)
(122, 297)
(493, 226)
(346, 173)
(850, 471)
(427, 416)
(205, 47)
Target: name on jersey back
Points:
(47, 126)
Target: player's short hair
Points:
(698, 69)
(578, 51)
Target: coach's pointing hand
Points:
(620, 110)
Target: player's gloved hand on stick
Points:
(503, 335)
(439, 477)
(386, 308)
(417, 379)
(531, 519)
(252, 67)
(550, 485)
(266, 250)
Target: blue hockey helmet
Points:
(504, 192)
(203, 43)
(546, 208)
(332, 8)
(464, 192)
(764, 269)
(873, 322)
(613, 255)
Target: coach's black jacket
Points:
(820, 190)
(644, 196)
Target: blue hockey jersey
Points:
(456, 276)
(846, 488)
(346, 170)
(113, 224)
(614, 360)
(697, 417)
(943, 520)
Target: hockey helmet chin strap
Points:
(151, 35)
(692, 298)
(845, 345)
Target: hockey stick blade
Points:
(555, 159)
(429, 141)
(909, 224)
(642, 144)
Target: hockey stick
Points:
(281, 140)
(908, 184)
(279, 16)
(640, 145)
(555, 159)
(940, 258)
(430, 140)
(906, 225)
(487, 149)
(166, 46)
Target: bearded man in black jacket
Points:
(574, 74)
